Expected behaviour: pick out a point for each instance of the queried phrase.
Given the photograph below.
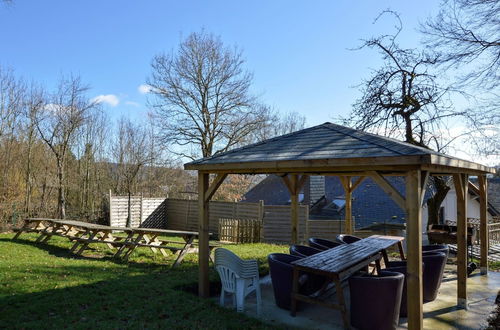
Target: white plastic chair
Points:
(239, 278)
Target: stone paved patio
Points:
(439, 314)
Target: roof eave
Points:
(430, 162)
(312, 165)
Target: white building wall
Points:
(450, 208)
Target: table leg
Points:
(401, 250)
(343, 308)
(86, 244)
(377, 266)
(386, 257)
(155, 240)
(43, 235)
(77, 242)
(128, 239)
(151, 240)
(132, 246)
(182, 254)
(107, 235)
(295, 291)
(49, 231)
(26, 226)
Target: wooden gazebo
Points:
(330, 149)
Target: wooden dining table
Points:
(338, 264)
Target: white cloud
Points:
(51, 107)
(144, 89)
(132, 103)
(110, 99)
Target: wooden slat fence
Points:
(182, 214)
(277, 221)
(145, 212)
(240, 230)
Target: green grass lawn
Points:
(45, 286)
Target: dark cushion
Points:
(281, 272)
(426, 249)
(322, 244)
(376, 300)
(347, 239)
(315, 282)
(303, 250)
(432, 275)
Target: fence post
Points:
(110, 203)
(141, 208)
(262, 214)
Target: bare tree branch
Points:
(202, 96)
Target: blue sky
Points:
(298, 50)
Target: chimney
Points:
(315, 189)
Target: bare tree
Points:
(202, 96)
(466, 36)
(34, 103)
(467, 33)
(12, 92)
(91, 142)
(403, 99)
(279, 123)
(57, 123)
(132, 153)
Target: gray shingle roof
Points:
(323, 141)
(332, 145)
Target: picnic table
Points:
(84, 233)
(150, 237)
(338, 264)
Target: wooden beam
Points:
(219, 179)
(424, 181)
(294, 208)
(460, 181)
(483, 223)
(347, 184)
(288, 184)
(414, 249)
(357, 182)
(433, 163)
(459, 186)
(389, 189)
(203, 223)
(300, 183)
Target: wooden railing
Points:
(240, 230)
(494, 233)
(493, 229)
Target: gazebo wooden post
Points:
(483, 220)
(294, 205)
(349, 187)
(461, 183)
(294, 185)
(203, 223)
(205, 192)
(413, 198)
(347, 184)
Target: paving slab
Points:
(439, 314)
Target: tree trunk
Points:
(434, 203)
(29, 182)
(129, 209)
(61, 200)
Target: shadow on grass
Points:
(127, 301)
(64, 252)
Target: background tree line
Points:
(60, 153)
